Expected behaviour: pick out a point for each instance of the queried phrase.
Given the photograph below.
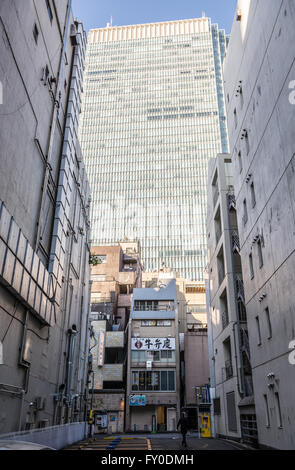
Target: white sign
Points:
(100, 352)
(153, 344)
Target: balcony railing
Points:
(231, 201)
(225, 319)
(235, 240)
(228, 369)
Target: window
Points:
(216, 406)
(245, 216)
(49, 10)
(258, 331)
(241, 97)
(163, 380)
(240, 161)
(235, 118)
(268, 323)
(251, 266)
(253, 199)
(267, 422)
(35, 33)
(247, 142)
(260, 253)
(278, 410)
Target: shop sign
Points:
(153, 344)
(137, 400)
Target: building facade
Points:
(153, 374)
(231, 372)
(259, 86)
(153, 114)
(115, 272)
(193, 344)
(44, 219)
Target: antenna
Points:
(203, 14)
(111, 21)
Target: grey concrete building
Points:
(231, 374)
(259, 74)
(44, 224)
(153, 375)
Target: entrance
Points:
(161, 418)
(171, 419)
(113, 423)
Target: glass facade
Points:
(153, 114)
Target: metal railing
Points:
(235, 240)
(228, 369)
(225, 319)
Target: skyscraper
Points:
(153, 115)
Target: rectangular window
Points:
(278, 410)
(253, 198)
(251, 266)
(247, 142)
(49, 10)
(258, 331)
(235, 118)
(35, 33)
(164, 381)
(171, 381)
(240, 161)
(245, 216)
(267, 421)
(269, 327)
(241, 97)
(153, 380)
(260, 253)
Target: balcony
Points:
(228, 369)
(235, 241)
(225, 319)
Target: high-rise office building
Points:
(153, 115)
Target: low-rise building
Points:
(193, 342)
(116, 271)
(153, 377)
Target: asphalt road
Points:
(153, 442)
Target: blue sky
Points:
(96, 13)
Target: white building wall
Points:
(260, 58)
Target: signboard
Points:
(153, 344)
(100, 352)
(137, 400)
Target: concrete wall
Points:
(44, 188)
(56, 437)
(196, 364)
(260, 58)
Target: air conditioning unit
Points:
(149, 365)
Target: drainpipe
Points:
(21, 411)
(236, 358)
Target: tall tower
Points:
(153, 115)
